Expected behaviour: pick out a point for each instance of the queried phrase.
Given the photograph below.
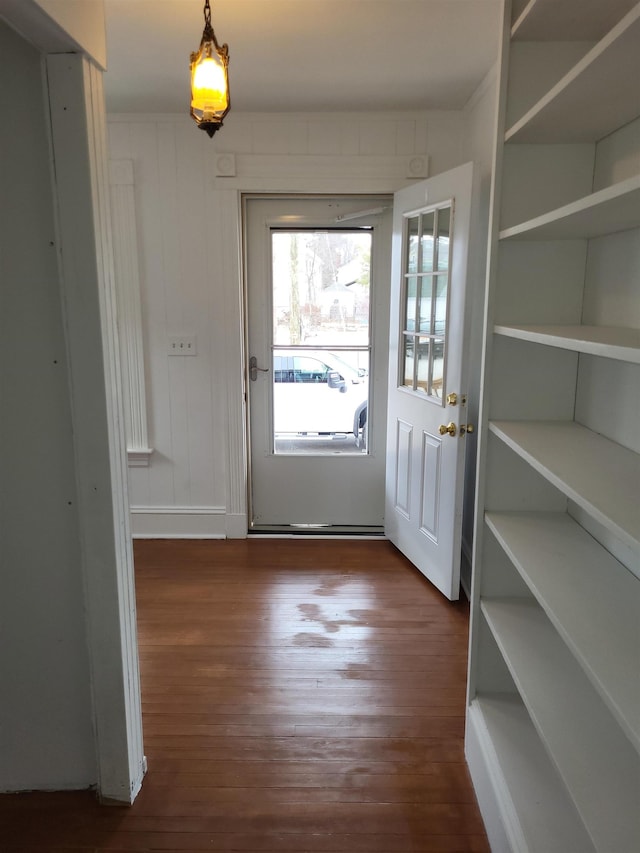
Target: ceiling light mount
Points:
(210, 100)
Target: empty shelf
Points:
(599, 475)
(543, 817)
(592, 755)
(592, 600)
(571, 20)
(615, 208)
(605, 341)
(608, 76)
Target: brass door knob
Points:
(449, 428)
(467, 428)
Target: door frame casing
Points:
(335, 176)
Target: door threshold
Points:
(316, 531)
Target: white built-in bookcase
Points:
(553, 726)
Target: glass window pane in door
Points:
(408, 361)
(426, 242)
(321, 287)
(440, 316)
(320, 401)
(413, 226)
(320, 340)
(411, 303)
(444, 227)
(423, 368)
(426, 304)
(437, 370)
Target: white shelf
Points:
(608, 75)
(542, 816)
(606, 341)
(571, 20)
(592, 600)
(599, 475)
(592, 755)
(615, 208)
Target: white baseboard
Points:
(181, 522)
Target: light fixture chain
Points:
(207, 14)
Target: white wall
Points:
(70, 713)
(190, 276)
(46, 736)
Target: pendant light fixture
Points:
(209, 79)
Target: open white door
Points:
(426, 426)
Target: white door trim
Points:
(78, 141)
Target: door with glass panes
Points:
(427, 426)
(317, 282)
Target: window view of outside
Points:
(321, 344)
(426, 275)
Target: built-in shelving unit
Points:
(609, 73)
(553, 726)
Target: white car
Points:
(317, 392)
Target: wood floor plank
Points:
(298, 697)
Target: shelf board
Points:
(612, 209)
(601, 476)
(571, 20)
(546, 818)
(607, 76)
(605, 341)
(591, 753)
(592, 600)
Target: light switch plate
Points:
(182, 345)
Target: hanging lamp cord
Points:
(208, 29)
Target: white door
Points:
(317, 282)
(426, 425)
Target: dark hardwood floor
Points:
(298, 696)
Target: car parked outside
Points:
(318, 392)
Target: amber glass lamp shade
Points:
(210, 82)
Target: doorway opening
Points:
(317, 284)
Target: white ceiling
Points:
(304, 55)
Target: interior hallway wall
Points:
(188, 231)
(46, 735)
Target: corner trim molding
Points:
(78, 138)
(127, 279)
